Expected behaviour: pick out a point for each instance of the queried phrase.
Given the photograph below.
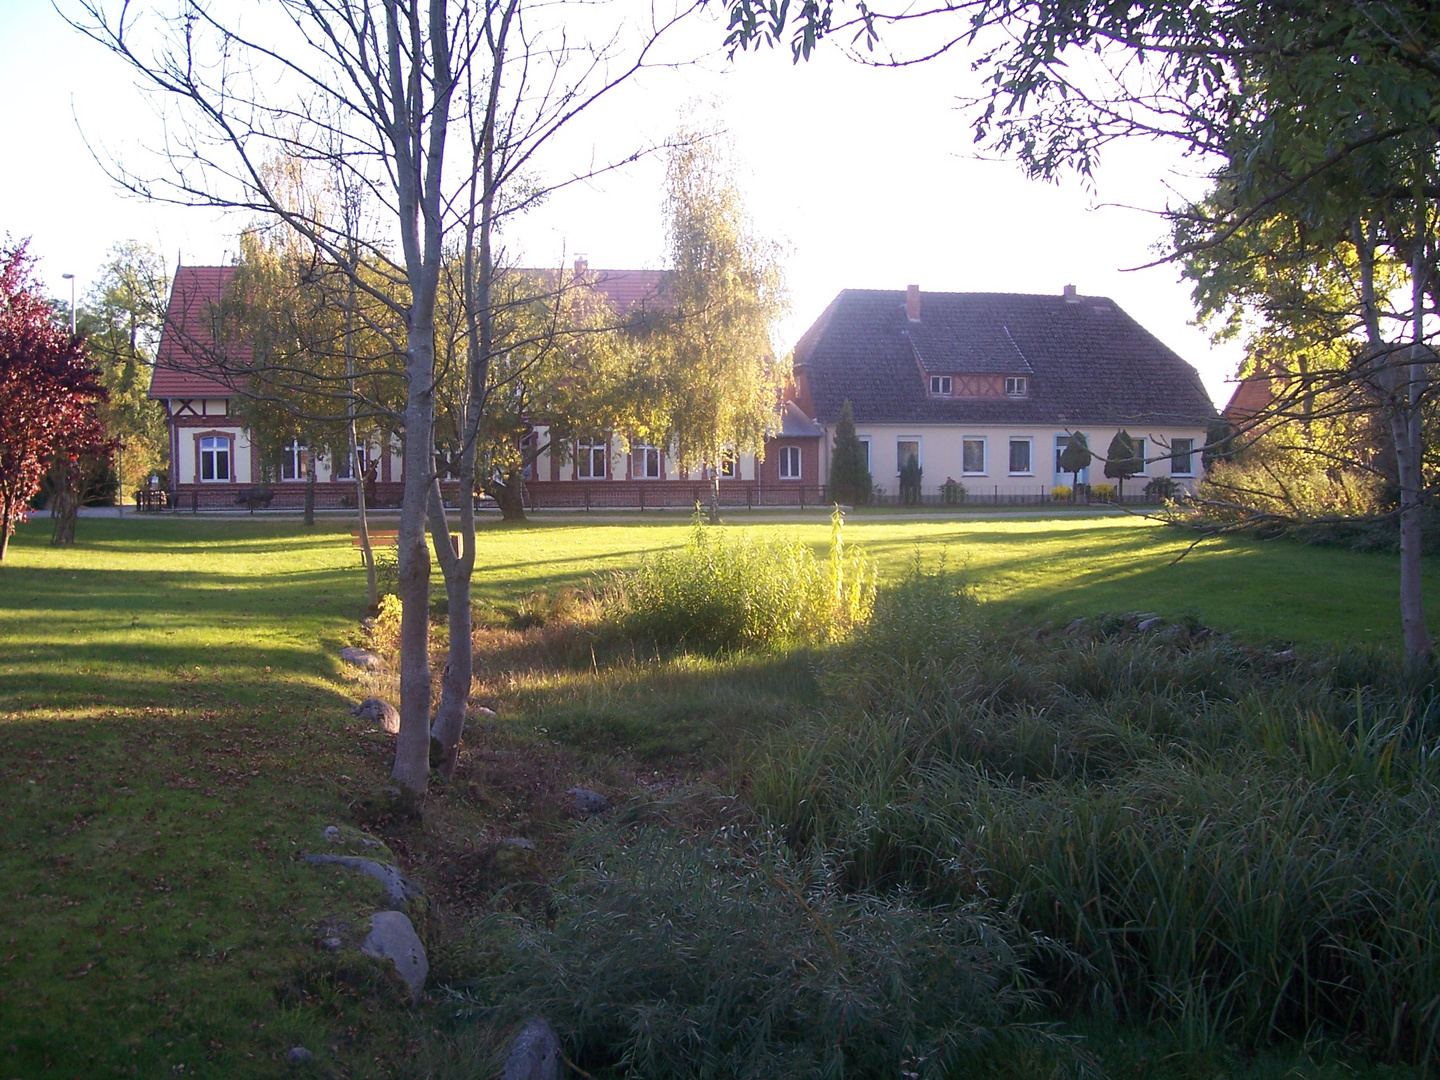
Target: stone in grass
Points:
(352, 840)
(535, 1054)
(399, 889)
(583, 803)
(393, 938)
(298, 1056)
(379, 712)
(1148, 624)
(361, 658)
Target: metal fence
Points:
(615, 495)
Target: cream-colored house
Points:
(985, 389)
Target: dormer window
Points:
(940, 385)
(1016, 386)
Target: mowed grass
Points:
(177, 731)
(1053, 566)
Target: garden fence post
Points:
(587, 499)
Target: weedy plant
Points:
(683, 954)
(1240, 843)
(725, 591)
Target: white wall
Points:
(941, 454)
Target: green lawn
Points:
(177, 729)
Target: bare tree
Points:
(383, 91)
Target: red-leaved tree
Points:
(48, 390)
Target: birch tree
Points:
(717, 383)
(436, 111)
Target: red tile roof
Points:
(1251, 396)
(186, 365)
(189, 363)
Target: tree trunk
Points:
(449, 723)
(412, 748)
(509, 496)
(715, 496)
(1403, 387)
(64, 503)
(310, 487)
(6, 510)
(367, 553)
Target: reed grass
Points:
(1238, 843)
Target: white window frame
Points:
(1029, 442)
(588, 452)
(790, 462)
(919, 450)
(1142, 451)
(729, 465)
(1061, 442)
(865, 442)
(940, 386)
(219, 444)
(1189, 457)
(292, 458)
(641, 455)
(1017, 386)
(984, 442)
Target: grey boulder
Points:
(298, 1055)
(393, 938)
(1148, 624)
(535, 1054)
(380, 712)
(399, 889)
(361, 658)
(583, 803)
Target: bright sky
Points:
(865, 176)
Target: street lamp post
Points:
(71, 278)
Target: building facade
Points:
(984, 390)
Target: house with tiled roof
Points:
(985, 389)
(213, 459)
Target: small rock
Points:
(518, 842)
(1075, 624)
(378, 711)
(361, 658)
(1148, 624)
(399, 889)
(481, 710)
(368, 623)
(393, 938)
(584, 803)
(332, 834)
(298, 1055)
(1202, 633)
(331, 943)
(535, 1054)
(1285, 654)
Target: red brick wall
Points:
(809, 461)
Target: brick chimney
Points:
(912, 303)
(1070, 297)
(581, 265)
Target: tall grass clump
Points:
(1241, 844)
(680, 954)
(725, 590)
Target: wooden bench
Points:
(380, 538)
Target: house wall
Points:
(809, 462)
(186, 430)
(941, 454)
(551, 465)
